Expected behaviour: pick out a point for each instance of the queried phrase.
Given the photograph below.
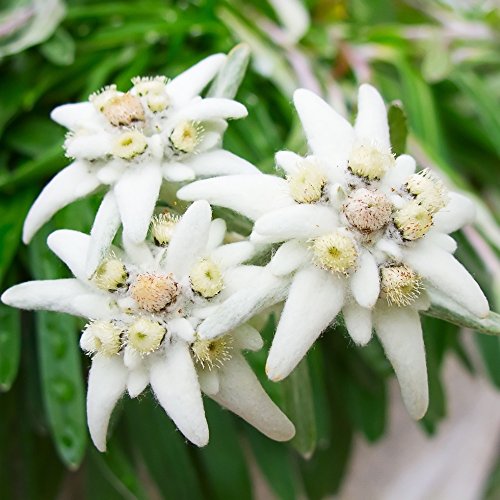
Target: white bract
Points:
(129, 142)
(362, 233)
(144, 305)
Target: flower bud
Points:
(307, 183)
(212, 353)
(370, 162)
(368, 211)
(103, 337)
(206, 278)
(413, 221)
(186, 136)
(428, 191)
(400, 285)
(110, 275)
(334, 252)
(154, 292)
(130, 144)
(123, 110)
(145, 335)
(162, 228)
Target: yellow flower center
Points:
(154, 292)
(130, 144)
(206, 278)
(186, 136)
(110, 275)
(123, 110)
(400, 285)
(145, 335)
(413, 221)
(368, 211)
(101, 336)
(334, 252)
(428, 191)
(212, 353)
(162, 228)
(306, 185)
(370, 162)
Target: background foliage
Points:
(440, 62)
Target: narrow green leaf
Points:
(164, 450)
(398, 127)
(10, 345)
(299, 406)
(223, 459)
(60, 365)
(444, 308)
(230, 76)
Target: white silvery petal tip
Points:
(72, 248)
(72, 116)
(358, 321)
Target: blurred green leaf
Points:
(10, 345)
(60, 48)
(489, 347)
(299, 407)
(398, 127)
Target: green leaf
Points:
(60, 365)
(60, 48)
(445, 308)
(230, 76)
(398, 127)
(164, 450)
(437, 63)
(299, 406)
(222, 459)
(10, 345)
(489, 347)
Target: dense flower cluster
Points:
(360, 232)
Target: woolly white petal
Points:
(233, 254)
(189, 239)
(400, 333)
(137, 381)
(445, 273)
(301, 221)
(329, 135)
(136, 194)
(106, 224)
(107, 383)
(219, 162)
(131, 358)
(288, 258)
(288, 161)
(139, 253)
(398, 175)
(89, 146)
(365, 285)
(181, 328)
(240, 391)
(48, 295)
(77, 115)
(358, 321)
(72, 248)
(216, 234)
(70, 184)
(209, 381)
(177, 172)
(192, 81)
(175, 384)
(247, 337)
(371, 122)
(459, 212)
(243, 304)
(251, 195)
(315, 298)
(212, 108)
(441, 240)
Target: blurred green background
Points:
(440, 59)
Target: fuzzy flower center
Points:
(368, 211)
(154, 292)
(130, 144)
(212, 353)
(206, 278)
(162, 228)
(186, 136)
(99, 99)
(370, 162)
(146, 86)
(145, 335)
(413, 221)
(307, 184)
(428, 191)
(101, 336)
(123, 110)
(400, 285)
(334, 252)
(111, 275)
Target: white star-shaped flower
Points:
(144, 305)
(362, 233)
(129, 142)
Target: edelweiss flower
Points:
(144, 305)
(130, 141)
(362, 232)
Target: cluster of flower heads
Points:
(360, 232)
